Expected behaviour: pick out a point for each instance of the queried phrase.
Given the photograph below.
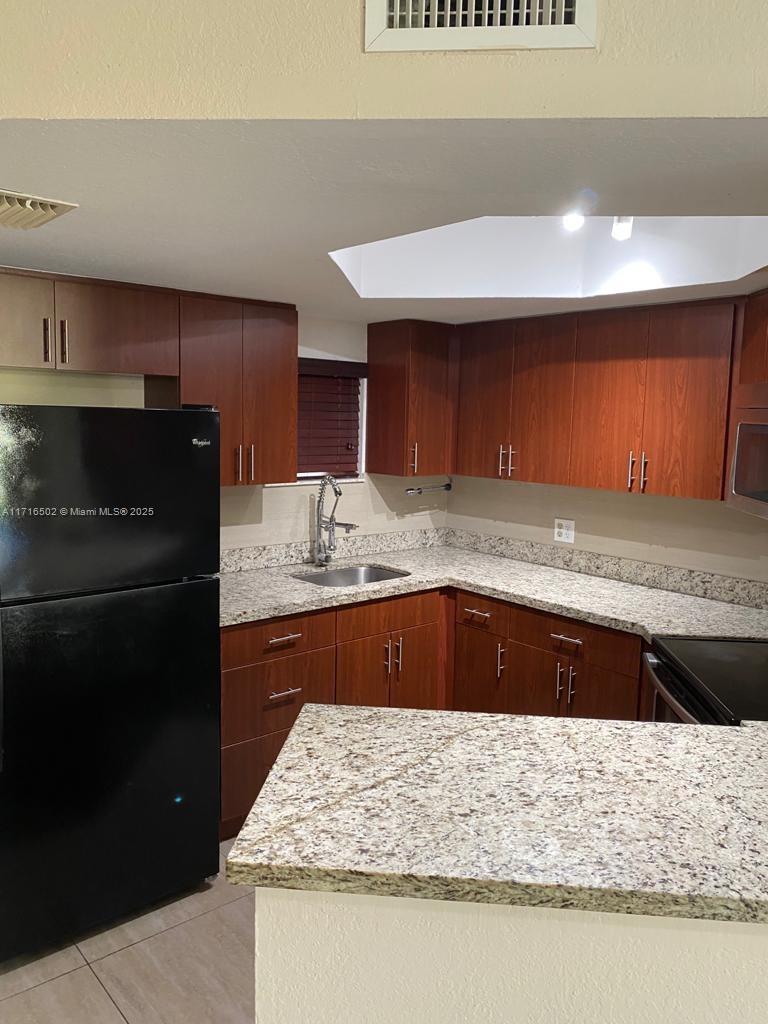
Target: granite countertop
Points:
(267, 593)
(627, 817)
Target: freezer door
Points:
(109, 789)
(96, 499)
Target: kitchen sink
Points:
(350, 576)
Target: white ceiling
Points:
(252, 208)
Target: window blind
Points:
(329, 424)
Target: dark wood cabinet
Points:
(479, 683)
(363, 671)
(415, 679)
(387, 616)
(750, 376)
(686, 400)
(270, 393)
(535, 680)
(102, 329)
(542, 399)
(27, 316)
(211, 372)
(410, 417)
(594, 692)
(244, 360)
(609, 399)
(244, 770)
(485, 399)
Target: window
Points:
(331, 400)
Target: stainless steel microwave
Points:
(748, 480)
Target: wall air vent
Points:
(479, 24)
(21, 211)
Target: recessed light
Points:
(573, 221)
(622, 228)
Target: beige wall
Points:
(245, 59)
(53, 387)
(701, 535)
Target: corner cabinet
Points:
(410, 418)
(244, 360)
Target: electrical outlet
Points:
(565, 530)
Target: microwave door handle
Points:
(652, 663)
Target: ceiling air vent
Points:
(479, 24)
(20, 211)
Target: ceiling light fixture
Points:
(21, 211)
(622, 228)
(573, 220)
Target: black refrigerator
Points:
(109, 662)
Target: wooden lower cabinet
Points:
(244, 770)
(535, 680)
(598, 693)
(478, 681)
(398, 669)
(362, 671)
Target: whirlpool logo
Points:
(201, 442)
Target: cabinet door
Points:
(593, 692)
(479, 682)
(608, 400)
(244, 770)
(270, 393)
(751, 370)
(430, 440)
(485, 397)
(535, 680)
(415, 668)
(26, 321)
(103, 329)
(542, 399)
(363, 671)
(686, 399)
(211, 372)
(387, 414)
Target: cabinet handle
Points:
(476, 611)
(415, 464)
(499, 667)
(510, 467)
(252, 465)
(284, 693)
(64, 333)
(46, 339)
(501, 460)
(388, 659)
(630, 467)
(568, 639)
(643, 471)
(571, 687)
(239, 463)
(399, 655)
(558, 684)
(284, 639)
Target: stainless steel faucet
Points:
(324, 550)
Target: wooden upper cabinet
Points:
(410, 414)
(686, 400)
(542, 399)
(211, 372)
(103, 329)
(270, 393)
(751, 365)
(485, 399)
(27, 336)
(609, 397)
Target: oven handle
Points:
(652, 663)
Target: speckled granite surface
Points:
(266, 593)
(626, 817)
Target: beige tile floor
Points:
(189, 961)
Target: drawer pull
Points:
(499, 666)
(558, 684)
(476, 611)
(284, 639)
(571, 687)
(567, 639)
(285, 693)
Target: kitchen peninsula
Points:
(525, 853)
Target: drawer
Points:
(394, 613)
(263, 641)
(267, 697)
(482, 612)
(595, 645)
(244, 770)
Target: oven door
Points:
(672, 700)
(748, 483)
